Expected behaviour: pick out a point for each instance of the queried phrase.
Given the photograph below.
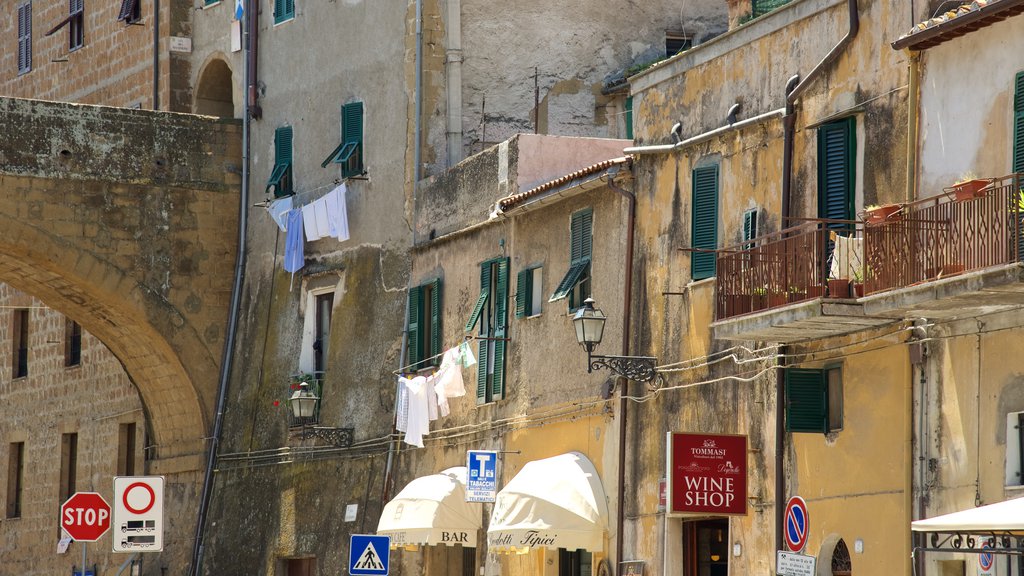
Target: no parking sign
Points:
(797, 523)
(986, 560)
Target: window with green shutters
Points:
(491, 314)
(283, 10)
(749, 228)
(629, 117)
(1018, 123)
(576, 283)
(837, 151)
(349, 153)
(281, 176)
(528, 292)
(704, 228)
(423, 345)
(814, 400)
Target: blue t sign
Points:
(482, 482)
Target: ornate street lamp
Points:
(589, 325)
(303, 402)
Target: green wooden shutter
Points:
(806, 400)
(524, 293)
(413, 338)
(581, 236)
(629, 118)
(704, 228)
(836, 155)
(1018, 123)
(435, 322)
(481, 372)
(485, 291)
(749, 225)
(283, 10)
(283, 145)
(500, 323)
(352, 122)
(482, 355)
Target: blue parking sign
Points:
(482, 480)
(369, 555)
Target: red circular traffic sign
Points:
(797, 523)
(143, 499)
(85, 516)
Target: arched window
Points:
(214, 94)
(841, 565)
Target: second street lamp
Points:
(589, 324)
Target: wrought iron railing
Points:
(928, 240)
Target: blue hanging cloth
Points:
(294, 247)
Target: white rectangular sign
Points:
(790, 564)
(137, 519)
(482, 479)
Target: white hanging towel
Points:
(466, 354)
(402, 407)
(450, 374)
(279, 209)
(309, 222)
(337, 213)
(443, 409)
(322, 224)
(418, 424)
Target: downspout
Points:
(453, 61)
(793, 94)
(627, 298)
(232, 329)
(913, 124)
(252, 62)
(418, 102)
(156, 54)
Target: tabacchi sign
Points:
(707, 474)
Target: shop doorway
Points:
(706, 548)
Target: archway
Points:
(215, 91)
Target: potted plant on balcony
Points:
(876, 214)
(968, 186)
(759, 298)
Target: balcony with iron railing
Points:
(939, 257)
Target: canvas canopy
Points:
(432, 510)
(557, 502)
(1001, 518)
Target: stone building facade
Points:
(72, 420)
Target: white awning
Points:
(552, 503)
(1000, 518)
(432, 510)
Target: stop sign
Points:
(85, 516)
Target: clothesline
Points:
(468, 337)
(268, 201)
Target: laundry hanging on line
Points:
(423, 399)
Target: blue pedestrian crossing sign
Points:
(369, 555)
(482, 480)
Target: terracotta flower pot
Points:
(882, 214)
(975, 188)
(858, 289)
(838, 288)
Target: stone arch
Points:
(119, 311)
(833, 557)
(214, 94)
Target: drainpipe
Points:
(627, 298)
(453, 62)
(418, 102)
(156, 54)
(251, 59)
(913, 124)
(793, 94)
(385, 493)
(232, 329)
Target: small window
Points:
(749, 228)
(72, 343)
(704, 228)
(19, 344)
(283, 10)
(131, 11)
(628, 117)
(424, 340)
(324, 304)
(814, 400)
(68, 465)
(15, 478)
(1015, 449)
(676, 42)
(349, 153)
(126, 449)
(490, 312)
(281, 176)
(300, 567)
(1018, 123)
(76, 25)
(24, 37)
(529, 292)
(576, 283)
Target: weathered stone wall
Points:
(92, 400)
(114, 67)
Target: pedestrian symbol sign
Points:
(369, 555)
